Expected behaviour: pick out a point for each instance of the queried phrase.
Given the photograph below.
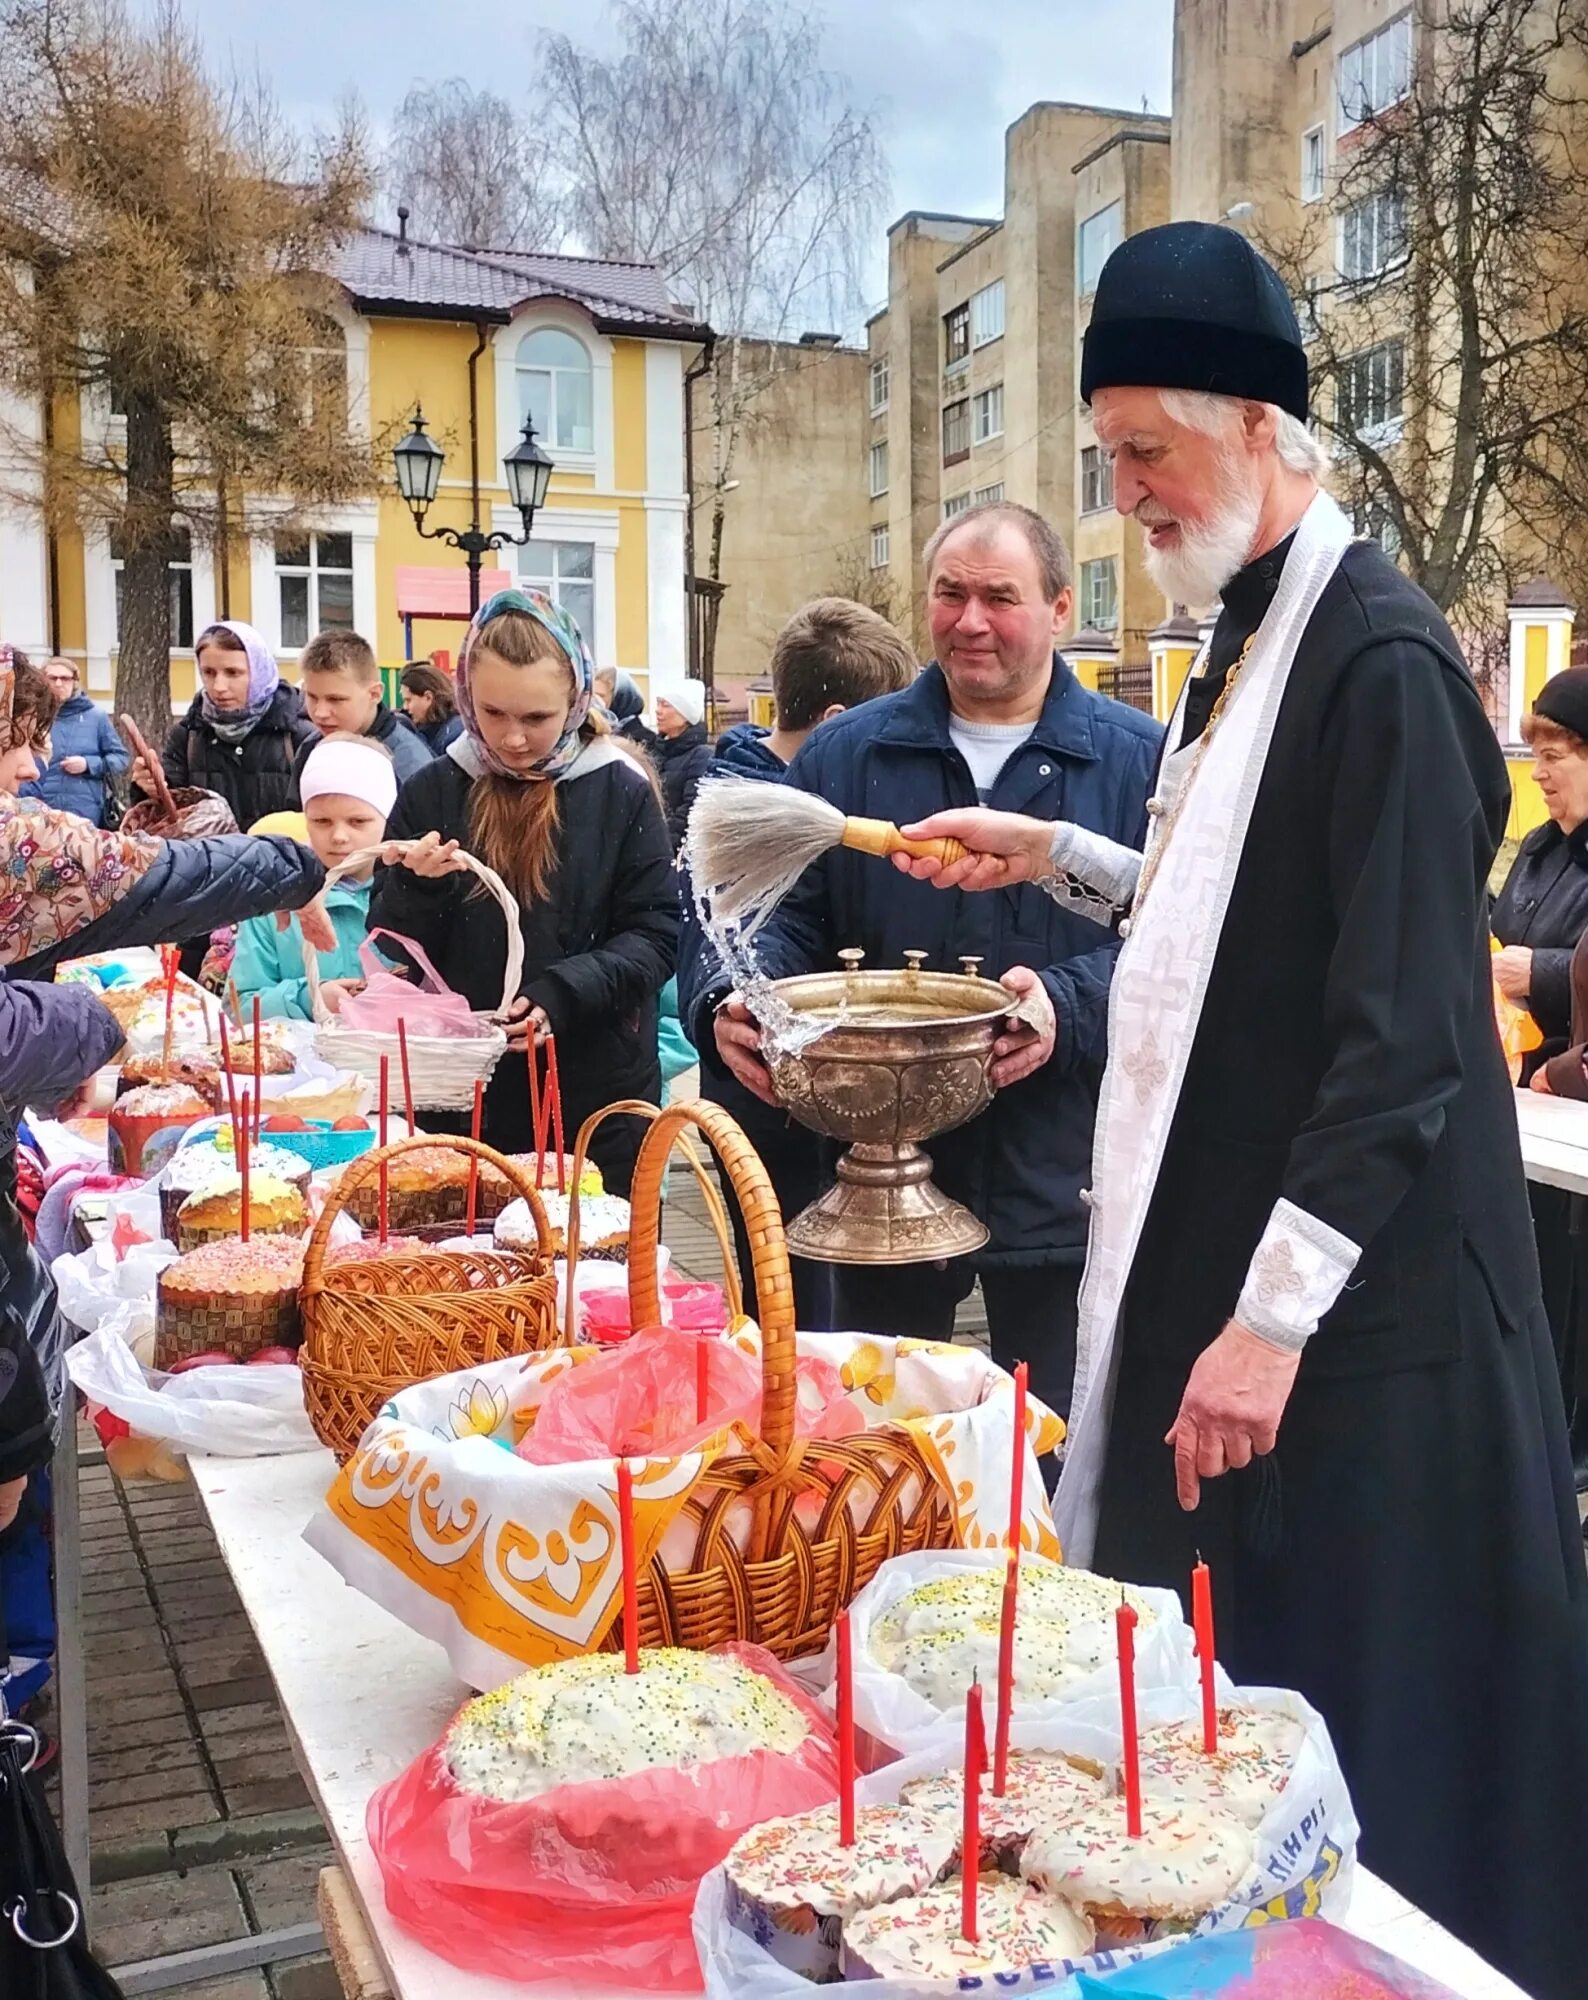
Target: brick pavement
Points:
(202, 1830)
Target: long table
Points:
(363, 1695)
(1554, 1140)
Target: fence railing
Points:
(1129, 684)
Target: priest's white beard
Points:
(1207, 553)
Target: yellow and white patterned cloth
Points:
(508, 1564)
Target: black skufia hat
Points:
(1192, 305)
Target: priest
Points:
(1311, 1341)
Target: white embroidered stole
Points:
(1160, 980)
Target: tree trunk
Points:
(143, 672)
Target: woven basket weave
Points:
(874, 1495)
(370, 1329)
(443, 1068)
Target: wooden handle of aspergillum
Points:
(882, 837)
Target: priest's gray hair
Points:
(1216, 417)
(1047, 544)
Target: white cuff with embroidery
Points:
(1298, 1271)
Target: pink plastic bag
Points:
(428, 1005)
(641, 1400)
(605, 1316)
(594, 1880)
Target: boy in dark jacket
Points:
(342, 693)
(832, 655)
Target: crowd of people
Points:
(1251, 1175)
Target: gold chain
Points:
(1152, 862)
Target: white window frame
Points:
(1381, 217)
(312, 570)
(1389, 428)
(1085, 279)
(879, 385)
(1100, 472)
(879, 545)
(987, 314)
(578, 524)
(987, 414)
(554, 371)
(536, 565)
(358, 518)
(955, 505)
(1098, 571)
(509, 427)
(1314, 163)
(1357, 79)
(877, 461)
(988, 496)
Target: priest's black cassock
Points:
(1409, 1556)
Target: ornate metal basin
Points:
(907, 1059)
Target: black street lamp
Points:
(419, 459)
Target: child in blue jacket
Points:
(349, 786)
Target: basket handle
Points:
(361, 1169)
(717, 1215)
(763, 1220)
(514, 973)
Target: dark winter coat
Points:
(81, 729)
(683, 760)
(742, 750)
(410, 751)
(597, 951)
(1544, 906)
(1409, 1555)
(439, 735)
(51, 1039)
(255, 777)
(1021, 1165)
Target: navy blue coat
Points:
(1022, 1164)
(81, 729)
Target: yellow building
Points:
(596, 351)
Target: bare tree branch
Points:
(471, 171)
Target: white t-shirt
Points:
(987, 747)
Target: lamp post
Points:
(419, 459)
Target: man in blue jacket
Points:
(85, 751)
(997, 719)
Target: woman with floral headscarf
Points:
(243, 729)
(537, 789)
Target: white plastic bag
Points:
(1304, 1860)
(232, 1411)
(888, 1709)
(93, 1287)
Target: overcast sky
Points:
(944, 76)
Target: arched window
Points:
(554, 389)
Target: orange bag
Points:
(1519, 1033)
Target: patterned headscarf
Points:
(534, 604)
(264, 677)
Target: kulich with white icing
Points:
(1256, 1753)
(1184, 1864)
(579, 1720)
(603, 1225)
(1043, 1787)
(920, 1937)
(799, 1863)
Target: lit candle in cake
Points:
(1006, 1675)
(970, 1837)
(1126, 1623)
(1202, 1622)
(846, 1733)
(631, 1594)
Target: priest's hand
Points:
(739, 1044)
(1231, 1408)
(1513, 972)
(1002, 849)
(1029, 1042)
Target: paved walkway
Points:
(202, 1829)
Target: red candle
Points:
(474, 1165)
(1126, 1622)
(1006, 1676)
(169, 961)
(846, 1734)
(554, 1092)
(536, 1127)
(231, 1089)
(408, 1084)
(631, 1595)
(244, 1152)
(702, 1377)
(259, 1095)
(970, 1842)
(1017, 1475)
(1202, 1622)
(385, 1097)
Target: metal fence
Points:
(1129, 684)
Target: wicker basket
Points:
(443, 1068)
(787, 1588)
(370, 1329)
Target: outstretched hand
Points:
(429, 857)
(1002, 849)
